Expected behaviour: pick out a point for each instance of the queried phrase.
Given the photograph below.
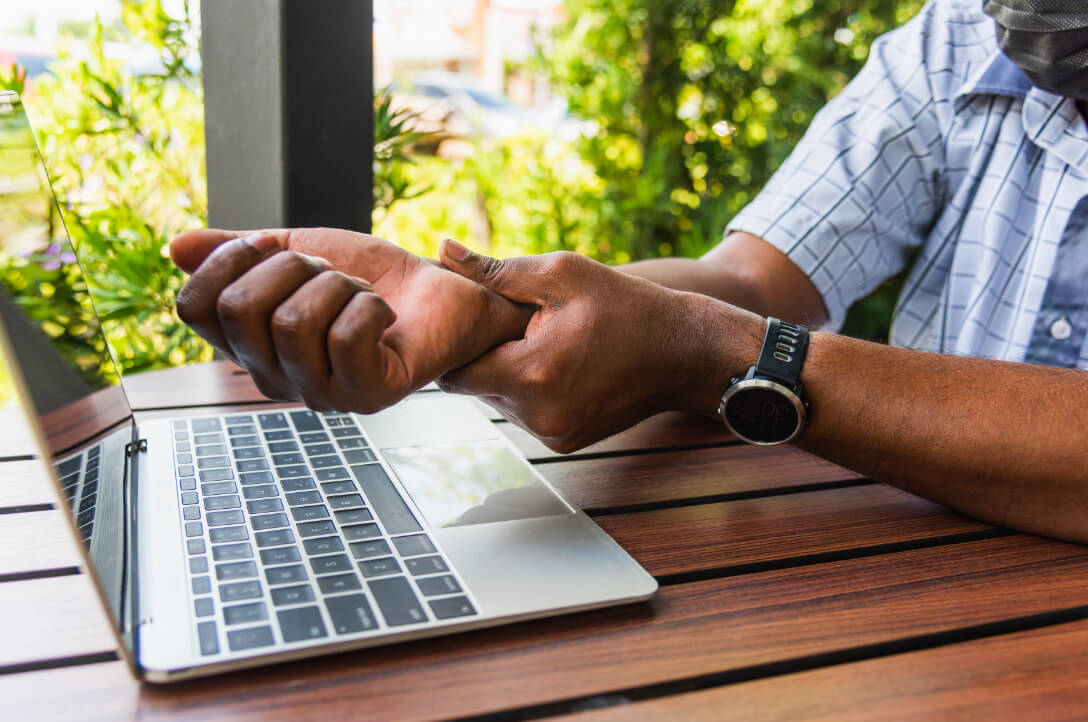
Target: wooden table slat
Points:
(25, 483)
(1033, 675)
(215, 383)
(35, 541)
(51, 618)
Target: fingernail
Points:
(456, 251)
(363, 282)
(262, 242)
(317, 259)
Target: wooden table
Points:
(790, 589)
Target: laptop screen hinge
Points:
(133, 447)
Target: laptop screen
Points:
(56, 346)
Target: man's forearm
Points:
(1000, 441)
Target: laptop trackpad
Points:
(427, 418)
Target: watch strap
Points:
(783, 354)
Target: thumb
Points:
(188, 250)
(516, 279)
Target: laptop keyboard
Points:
(79, 480)
(295, 532)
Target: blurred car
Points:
(454, 106)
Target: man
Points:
(974, 153)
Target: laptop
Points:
(218, 542)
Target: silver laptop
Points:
(236, 540)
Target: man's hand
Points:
(603, 351)
(336, 319)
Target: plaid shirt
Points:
(941, 144)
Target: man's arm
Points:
(1000, 441)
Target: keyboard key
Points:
(192, 528)
(316, 528)
(238, 591)
(275, 538)
(397, 601)
(345, 431)
(183, 447)
(261, 491)
(339, 487)
(369, 549)
(359, 456)
(181, 459)
(339, 583)
(346, 501)
(256, 477)
(235, 570)
(202, 426)
(354, 516)
(198, 565)
(334, 473)
(426, 565)
(223, 518)
(191, 513)
(188, 484)
(300, 498)
(204, 607)
(239, 441)
(281, 447)
(242, 430)
(323, 545)
(324, 462)
(379, 567)
(314, 437)
(291, 472)
(252, 465)
(361, 531)
(181, 435)
(239, 419)
(306, 420)
(219, 487)
(299, 484)
(186, 470)
(202, 585)
(301, 623)
(239, 639)
(208, 439)
(309, 513)
(331, 564)
(245, 613)
(264, 506)
(218, 503)
(216, 474)
(411, 546)
(384, 499)
(350, 614)
(452, 607)
(228, 534)
(272, 421)
(232, 552)
(355, 443)
(213, 462)
(285, 575)
(320, 449)
(209, 639)
(292, 595)
(288, 459)
(280, 435)
(433, 586)
(249, 452)
(189, 497)
(280, 555)
(211, 450)
(269, 521)
(196, 546)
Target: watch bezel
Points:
(764, 383)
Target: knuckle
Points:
(290, 323)
(232, 304)
(561, 262)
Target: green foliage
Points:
(393, 141)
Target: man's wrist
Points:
(727, 340)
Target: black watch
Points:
(765, 406)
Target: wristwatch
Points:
(765, 406)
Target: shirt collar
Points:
(997, 76)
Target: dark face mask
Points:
(1047, 39)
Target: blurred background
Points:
(619, 129)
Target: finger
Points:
(364, 369)
(518, 279)
(198, 299)
(245, 307)
(189, 249)
(493, 374)
(300, 326)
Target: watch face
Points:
(762, 415)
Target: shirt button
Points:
(1061, 329)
